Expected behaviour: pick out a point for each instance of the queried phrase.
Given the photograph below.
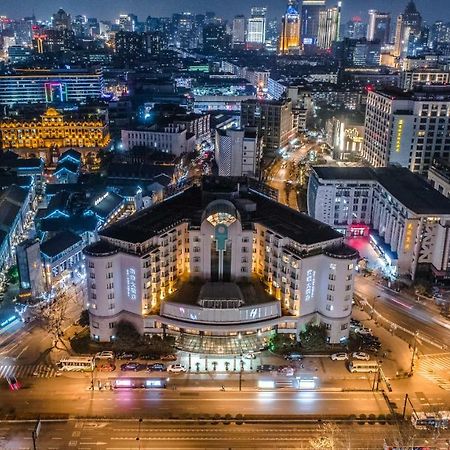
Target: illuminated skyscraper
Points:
(329, 24)
(310, 20)
(290, 31)
(408, 24)
(256, 27)
(238, 31)
(379, 26)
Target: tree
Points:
(329, 438)
(127, 336)
(83, 321)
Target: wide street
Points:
(206, 434)
(405, 311)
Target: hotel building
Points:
(220, 259)
(408, 221)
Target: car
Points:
(106, 368)
(169, 357)
(132, 366)
(105, 355)
(293, 357)
(149, 357)
(176, 368)
(13, 383)
(339, 356)
(286, 370)
(266, 368)
(363, 331)
(157, 367)
(127, 355)
(360, 355)
(249, 355)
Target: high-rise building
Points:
(379, 27)
(23, 86)
(329, 25)
(256, 27)
(61, 20)
(238, 31)
(310, 20)
(238, 151)
(407, 128)
(408, 24)
(274, 121)
(290, 29)
(129, 44)
(355, 28)
(215, 38)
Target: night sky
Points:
(108, 9)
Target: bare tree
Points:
(329, 438)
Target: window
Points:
(92, 276)
(110, 296)
(94, 296)
(330, 298)
(348, 287)
(332, 276)
(112, 305)
(350, 267)
(109, 265)
(196, 249)
(331, 287)
(344, 326)
(109, 275)
(349, 277)
(196, 259)
(91, 265)
(111, 325)
(243, 269)
(94, 324)
(329, 307)
(93, 306)
(333, 266)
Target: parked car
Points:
(363, 331)
(105, 355)
(106, 368)
(169, 357)
(249, 355)
(127, 355)
(176, 368)
(157, 367)
(286, 370)
(360, 355)
(133, 366)
(339, 356)
(266, 368)
(293, 357)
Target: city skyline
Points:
(276, 8)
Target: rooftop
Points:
(190, 204)
(408, 188)
(60, 242)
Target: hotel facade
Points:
(220, 259)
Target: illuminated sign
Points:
(310, 284)
(253, 313)
(131, 283)
(7, 321)
(408, 237)
(399, 136)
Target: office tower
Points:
(310, 20)
(256, 27)
(61, 20)
(407, 128)
(215, 38)
(274, 121)
(125, 22)
(355, 28)
(129, 44)
(237, 151)
(379, 26)
(409, 24)
(154, 42)
(238, 31)
(290, 29)
(329, 24)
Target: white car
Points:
(176, 368)
(105, 355)
(360, 355)
(249, 355)
(364, 331)
(339, 356)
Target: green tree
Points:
(127, 336)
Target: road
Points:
(61, 397)
(404, 310)
(112, 435)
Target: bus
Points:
(77, 364)
(363, 366)
(426, 421)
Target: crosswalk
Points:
(436, 368)
(33, 370)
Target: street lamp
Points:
(373, 306)
(411, 369)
